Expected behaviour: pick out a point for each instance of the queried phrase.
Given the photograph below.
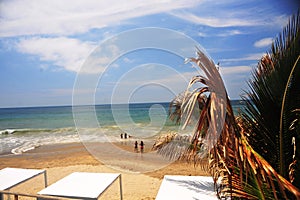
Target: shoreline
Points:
(62, 159)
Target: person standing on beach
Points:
(121, 135)
(142, 146)
(125, 135)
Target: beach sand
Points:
(63, 159)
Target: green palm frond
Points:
(274, 95)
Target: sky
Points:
(63, 52)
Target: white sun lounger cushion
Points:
(186, 187)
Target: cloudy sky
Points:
(46, 47)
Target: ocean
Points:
(23, 129)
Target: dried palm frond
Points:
(238, 170)
(243, 172)
(163, 140)
(175, 108)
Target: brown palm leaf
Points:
(238, 171)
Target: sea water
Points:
(23, 129)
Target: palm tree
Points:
(237, 169)
(271, 115)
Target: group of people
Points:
(125, 136)
(141, 146)
(136, 144)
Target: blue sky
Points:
(44, 45)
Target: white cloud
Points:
(265, 42)
(230, 33)
(127, 60)
(28, 17)
(214, 21)
(234, 70)
(250, 57)
(100, 59)
(222, 33)
(66, 53)
(202, 34)
(229, 18)
(235, 79)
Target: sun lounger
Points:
(10, 177)
(186, 187)
(82, 185)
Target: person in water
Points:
(142, 146)
(136, 146)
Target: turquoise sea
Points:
(23, 129)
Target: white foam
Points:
(7, 131)
(23, 148)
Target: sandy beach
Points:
(63, 159)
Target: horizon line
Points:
(98, 104)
